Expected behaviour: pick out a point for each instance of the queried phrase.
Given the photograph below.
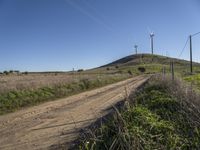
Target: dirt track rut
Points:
(59, 121)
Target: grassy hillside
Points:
(152, 64)
(147, 59)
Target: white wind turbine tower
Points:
(151, 38)
(136, 47)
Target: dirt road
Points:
(58, 121)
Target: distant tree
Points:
(117, 67)
(11, 71)
(6, 72)
(26, 72)
(107, 68)
(80, 70)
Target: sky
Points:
(59, 35)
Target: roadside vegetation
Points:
(194, 80)
(164, 114)
(15, 99)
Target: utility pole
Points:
(136, 49)
(172, 68)
(191, 70)
(164, 71)
(151, 37)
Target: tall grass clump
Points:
(164, 114)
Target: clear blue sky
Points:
(47, 35)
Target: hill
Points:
(151, 63)
(146, 59)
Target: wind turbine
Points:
(151, 38)
(135, 46)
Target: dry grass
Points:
(35, 81)
(29, 90)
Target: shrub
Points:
(11, 71)
(80, 70)
(130, 72)
(6, 72)
(141, 69)
(26, 72)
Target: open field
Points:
(38, 80)
(38, 88)
(59, 122)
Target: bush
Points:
(26, 73)
(6, 72)
(141, 69)
(11, 71)
(80, 70)
(17, 71)
(130, 72)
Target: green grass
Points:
(194, 79)
(14, 100)
(157, 119)
(155, 65)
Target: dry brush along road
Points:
(60, 121)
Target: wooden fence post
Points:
(172, 69)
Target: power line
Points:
(195, 34)
(183, 48)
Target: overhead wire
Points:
(183, 48)
(195, 34)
